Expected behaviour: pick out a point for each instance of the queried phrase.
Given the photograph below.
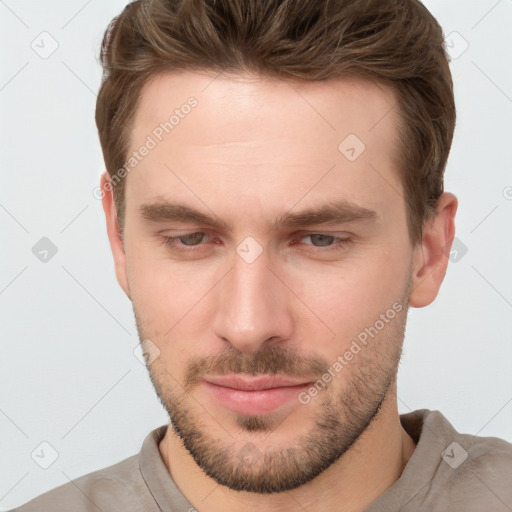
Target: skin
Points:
(253, 149)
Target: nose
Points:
(253, 306)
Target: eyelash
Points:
(171, 242)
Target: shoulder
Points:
(478, 453)
(114, 488)
(487, 458)
(475, 470)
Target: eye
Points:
(191, 238)
(326, 241)
(323, 240)
(180, 242)
(192, 242)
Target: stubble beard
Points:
(342, 419)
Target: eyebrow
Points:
(335, 212)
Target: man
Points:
(274, 203)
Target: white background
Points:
(68, 375)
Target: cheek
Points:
(162, 292)
(350, 297)
(175, 303)
(164, 298)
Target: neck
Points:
(373, 463)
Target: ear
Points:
(114, 235)
(430, 258)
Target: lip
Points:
(253, 395)
(259, 383)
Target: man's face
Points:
(266, 291)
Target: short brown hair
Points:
(394, 42)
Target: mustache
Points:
(268, 360)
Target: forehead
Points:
(336, 104)
(248, 135)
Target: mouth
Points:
(253, 395)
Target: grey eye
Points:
(191, 238)
(325, 240)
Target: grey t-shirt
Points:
(448, 471)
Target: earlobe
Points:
(114, 236)
(430, 259)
